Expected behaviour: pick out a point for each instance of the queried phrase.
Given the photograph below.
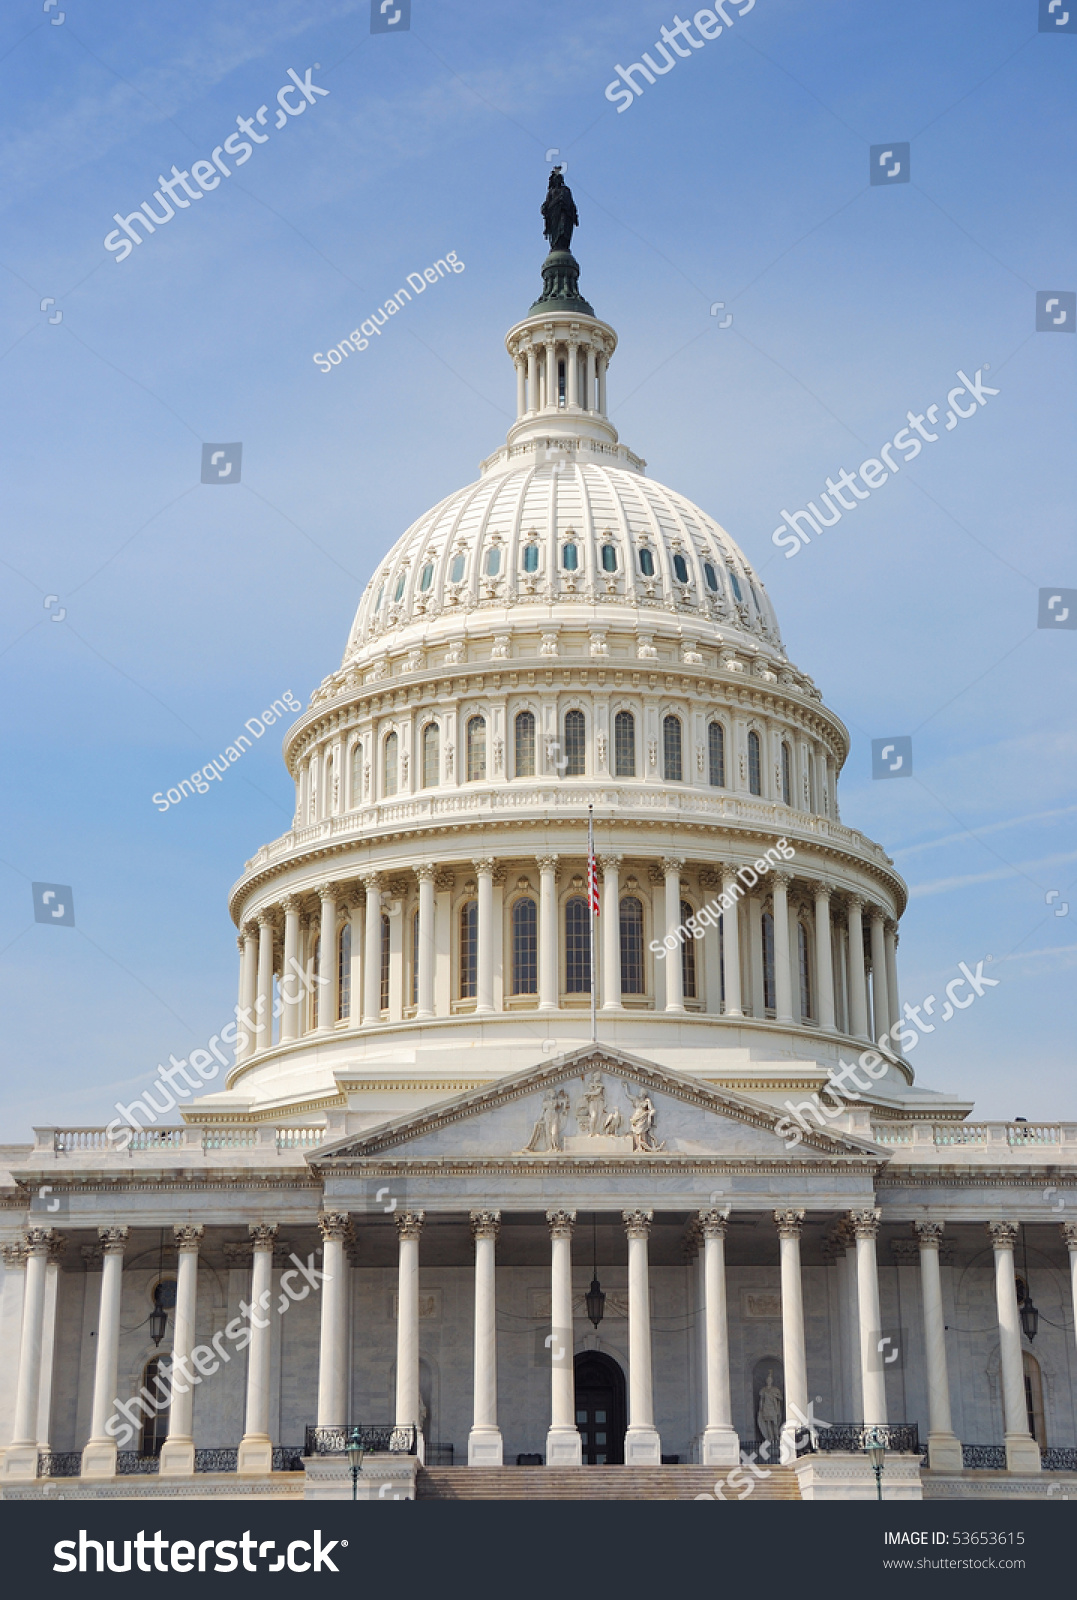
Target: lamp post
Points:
(875, 1449)
(354, 1448)
(594, 1299)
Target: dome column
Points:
(671, 867)
(263, 1004)
(891, 939)
(328, 959)
(783, 972)
(879, 1000)
(572, 375)
(289, 1022)
(532, 379)
(484, 953)
(601, 373)
(521, 386)
(548, 959)
(372, 949)
(590, 406)
(426, 874)
(246, 1043)
(611, 934)
(858, 999)
(731, 942)
(824, 962)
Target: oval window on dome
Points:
(646, 563)
(399, 590)
(680, 569)
(531, 556)
(570, 558)
(710, 575)
(456, 571)
(755, 597)
(426, 577)
(381, 596)
(493, 562)
(736, 586)
(609, 558)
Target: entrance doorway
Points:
(600, 1409)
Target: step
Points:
(598, 1483)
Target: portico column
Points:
(328, 965)
(290, 987)
(334, 1227)
(671, 866)
(794, 1359)
(408, 1227)
(20, 1458)
(858, 1002)
(891, 932)
(721, 1446)
(783, 975)
(426, 873)
(99, 1455)
(943, 1445)
(1022, 1451)
(484, 1440)
(256, 1446)
(880, 1005)
(263, 1005)
(872, 1357)
(548, 962)
(484, 951)
(824, 964)
(564, 1447)
(642, 1444)
(1068, 1231)
(177, 1452)
(731, 943)
(372, 949)
(611, 934)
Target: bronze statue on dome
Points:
(559, 212)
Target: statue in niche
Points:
(591, 1109)
(559, 212)
(548, 1134)
(771, 1412)
(642, 1121)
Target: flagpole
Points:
(591, 885)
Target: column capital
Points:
(409, 1224)
(854, 902)
(865, 1224)
(188, 1236)
(38, 1241)
(672, 865)
(929, 1234)
(290, 904)
(264, 919)
(250, 930)
(113, 1240)
(240, 943)
(547, 863)
(334, 1224)
(57, 1246)
(371, 882)
(1003, 1235)
(485, 866)
(1068, 1230)
(263, 1234)
(789, 1223)
(427, 872)
(327, 891)
(877, 914)
(780, 879)
(637, 1223)
(561, 1224)
(713, 1224)
(610, 863)
(485, 1224)
(821, 890)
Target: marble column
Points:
(858, 999)
(642, 1444)
(721, 1446)
(20, 1458)
(263, 1005)
(783, 972)
(943, 1445)
(611, 934)
(247, 944)
(484, 952)
(572, 375)
(794, 1358)
(549, 975)
(328, 960)
(872, 1358)
(57, 1247)
(532, 379)
(892, 983)
(590, 406)
(408, 1399)
(1068, 1231)
(551, 396)
(290, 987)
(484, 1441)
(731, 944)
(602, 384)
(880, 1005)
(521, 387)
(99, 1455)
(372, 949)
(824, 961)
(356, 914)
(426, 874)
(1022, 1451)
(256, 1446)
(674, 971)
(177, 1452)
(335, 1228)
(564, 1447)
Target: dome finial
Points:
(560, 270)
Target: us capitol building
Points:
(431, 1208)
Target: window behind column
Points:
(469, 948)
(524, 728)
(316, 968)
(524, 946)
(415, 958)
(787, 775)
(392, 745)
(344, 972)
(384, 998)
(716, 755)
(755, 764)
(155, 1427)
(768, 960)
(631, 919)
(624, 745)
(357, 774)
(575, 744)
(577, 946)
(476, 749)
(804, 970)
(672, 765)
(688, 957)
(431, 756)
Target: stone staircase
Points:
(598, 1483)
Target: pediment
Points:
(593, 1105)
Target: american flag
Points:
(592, 867)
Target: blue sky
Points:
(741, 176)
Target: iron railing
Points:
(222, 1458)
(380, 1438)
(59, 1463)
(899, 1437)
(769, 1454)
(287, 1458)
(983, 1457)
(129, 1462)
(1059, 1459)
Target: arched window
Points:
(768, 961)
(575, 744)
(155, 1426)
(672, 765)
(357, 774)
(525, 946)
(469, 949)
(344, 972)
(646, 563)
(624, 745)
(476, 749)
(381, 597)
(385, 940)
(680, 569)
(787, 775)
(531, 557)
(456, 569)
(431, 756)
(415, 958)
(755, 764)
(315, 967)
(392, 745)
(710, 575)
(577, 946)
(804, 969)
(426, 577)
(609, 558)
(688, 957)
(399, 590)
(735, 581)
(716, 755)
(631, 919)
(570, 557)
(493, 561)
(524, 728)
